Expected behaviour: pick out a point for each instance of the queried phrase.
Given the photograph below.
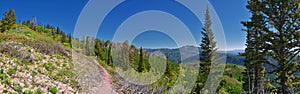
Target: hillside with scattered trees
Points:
(37, 59)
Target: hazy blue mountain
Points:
(191, 54)
(233, 52)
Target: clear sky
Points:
(64, 13)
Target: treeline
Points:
(273, 47)
(56, 33)
(137, 57)
(9, 20)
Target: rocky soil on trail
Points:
(92, 77)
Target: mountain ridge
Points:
(191, 53)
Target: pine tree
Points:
(98, 50)
(58, 31)
(168, 67)
(70, 39)
(254, 77)
(276, 23)
(63, 38)
(110, 60)
(49, 26)
(141, 65)
(8, 21)
(208, 46)
(132, 56)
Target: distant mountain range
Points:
(192, 54)
(233, 52)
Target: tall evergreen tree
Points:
(254, 75)
(278, 25)
(141, 65)
(248, 74)
(8, 21)
(208, 46)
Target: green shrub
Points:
(11, 71)
(7, 81)
(18, 89)
(49, 67)
(28, 92)
(39, 91)
(2, 76)
(15, 52)
(1, 71)
(4, 91)
(26, 62)
(53, 89)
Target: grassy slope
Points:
(231, 81)
(32, 61)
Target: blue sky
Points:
(64, 13)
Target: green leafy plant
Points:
(53, 89)
(28, 92)
(39, 91)
(4, 91)
(18, 89)
(11, 71)
(49, 66)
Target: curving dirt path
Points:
(92, 77)
(108, 87)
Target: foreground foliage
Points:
(273, 47)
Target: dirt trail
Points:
(106, 78)
(92, 77)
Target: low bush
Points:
(18, 89)
(11, 71)
(53, 90)
(28, 92)
(39, 91)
